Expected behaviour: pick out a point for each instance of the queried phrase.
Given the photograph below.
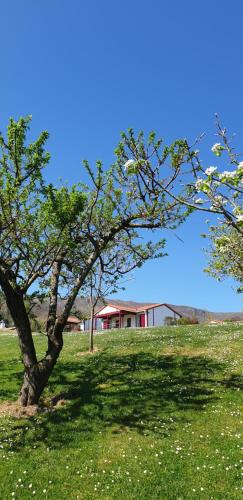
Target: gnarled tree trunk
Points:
(36, 377)
(37, 373)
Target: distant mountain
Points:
(201, 315)
(81, 309)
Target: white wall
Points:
(160, 313)
(107, 310)
(133, 320)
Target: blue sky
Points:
(88, 70)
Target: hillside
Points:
(201, 315)
(82, 310)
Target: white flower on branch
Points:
(217, 149)
(199, 184)
(220, 199)
(227, 174)
(128, 164)
(210, 170)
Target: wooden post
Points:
(146, 319)
(91, 345)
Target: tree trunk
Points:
(17, 309)
(32, 388)
(36, 378)
(37, 374)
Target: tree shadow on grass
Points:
(151, 394)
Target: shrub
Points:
(187, 321)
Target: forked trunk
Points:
(36, 377)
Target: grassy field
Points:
(153, 414)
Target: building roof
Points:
(131, 305)
(126, 306)
(73, 319)
(134, 307)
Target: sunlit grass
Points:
(153, 414)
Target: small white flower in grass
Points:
(44, 491)
(33, 492)
(30, 485)
(210, 170)
(128, 164)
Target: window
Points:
(129, 321)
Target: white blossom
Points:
(240, 166)
(227, 173)
(128, 164)
(216, 147)
(210, 170)
(199, 184)
(199, 201)
(239, 218)
(220, 199)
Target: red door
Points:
(142, 320)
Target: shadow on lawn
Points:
(151, 394)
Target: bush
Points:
(187, 321)
(170, 321)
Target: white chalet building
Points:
(123, 314)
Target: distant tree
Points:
(54, 237)
(109, 275)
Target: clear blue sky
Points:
(88, 70)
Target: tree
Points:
(52, 238)
(108, 276)
(226, 254)
(222, 192)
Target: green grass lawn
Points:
(153, 414)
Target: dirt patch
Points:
(85, 353)
(14, 409)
